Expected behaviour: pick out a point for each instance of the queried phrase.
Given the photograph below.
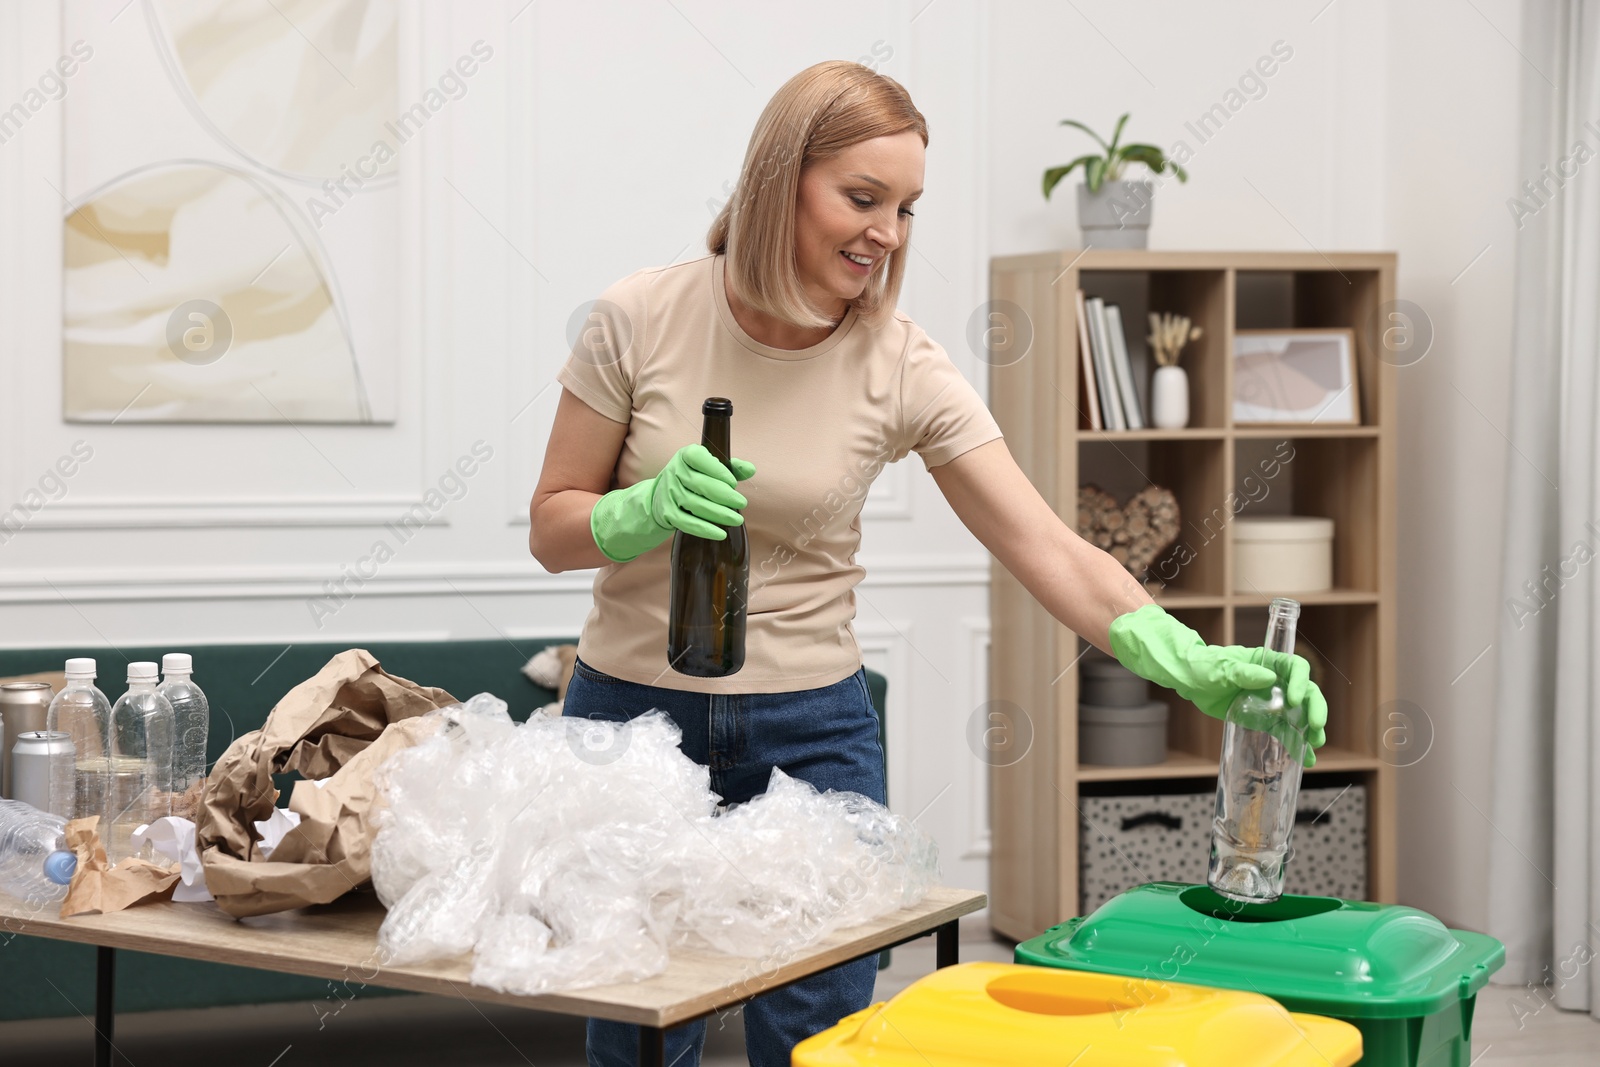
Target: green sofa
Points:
(242, 683)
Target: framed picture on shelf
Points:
(1295, 376)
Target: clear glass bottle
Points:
(1263, 749)
(143, 731)
(192, 714)
(78, 787)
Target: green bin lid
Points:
(1347, 959)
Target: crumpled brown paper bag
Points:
(97, 887)
(338, 725)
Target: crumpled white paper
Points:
(275, 829)
(570, 852)
(173, 838)
(277, 825)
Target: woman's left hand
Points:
(1159, 648)
(1088, 591)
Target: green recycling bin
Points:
(1396, 973)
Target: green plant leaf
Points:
(1148, 154)
(1054, 175)
(1151, 157)
(1087, 130)
(1095, 172)
(1116, 135)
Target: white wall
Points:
(590, 145)
(1452, 142)
(1392, 127)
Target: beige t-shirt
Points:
(818, 423)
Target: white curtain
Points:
(1544, 893)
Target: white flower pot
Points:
(1169, 398)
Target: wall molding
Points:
(417, 434)
(525, 299)
(29, 38)
(981, 842)
(884, 649)
(890, 496)
(281, 511)
(298, 581)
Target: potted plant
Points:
(1113, 212)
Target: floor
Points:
(387, 1030)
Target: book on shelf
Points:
(1086, 358)
(1105, 374)
(1131, 410)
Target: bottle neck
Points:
(715, 435)
(143, 685)
(80, 681)
(1280, 628)
(176, 676)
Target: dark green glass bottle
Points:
(710, 579)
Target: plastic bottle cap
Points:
(81, 665)
(59, 867)
(143, 671)
(177, 662)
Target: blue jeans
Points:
(827, 737)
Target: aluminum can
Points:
(35, 751)
(22, 708)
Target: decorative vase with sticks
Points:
(1169, 389)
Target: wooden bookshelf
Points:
(1343, 472)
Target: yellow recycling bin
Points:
(1005, 1013)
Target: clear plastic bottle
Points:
(1263, 746)
(193, 721)
(79, 788)
(35, 865)
(143, 732)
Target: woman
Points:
(792, 316)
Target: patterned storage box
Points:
(1125, 841)
(1329, 843)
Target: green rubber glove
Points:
(694, 493)
(1159, 648)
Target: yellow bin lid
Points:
(1009, 1013)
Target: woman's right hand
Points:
(695, 492)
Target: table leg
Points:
(946, 947)
(652, 1046)
(105, 1004)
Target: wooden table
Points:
(339, 941)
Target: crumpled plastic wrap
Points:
(569, 852)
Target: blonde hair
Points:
(814, 116)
